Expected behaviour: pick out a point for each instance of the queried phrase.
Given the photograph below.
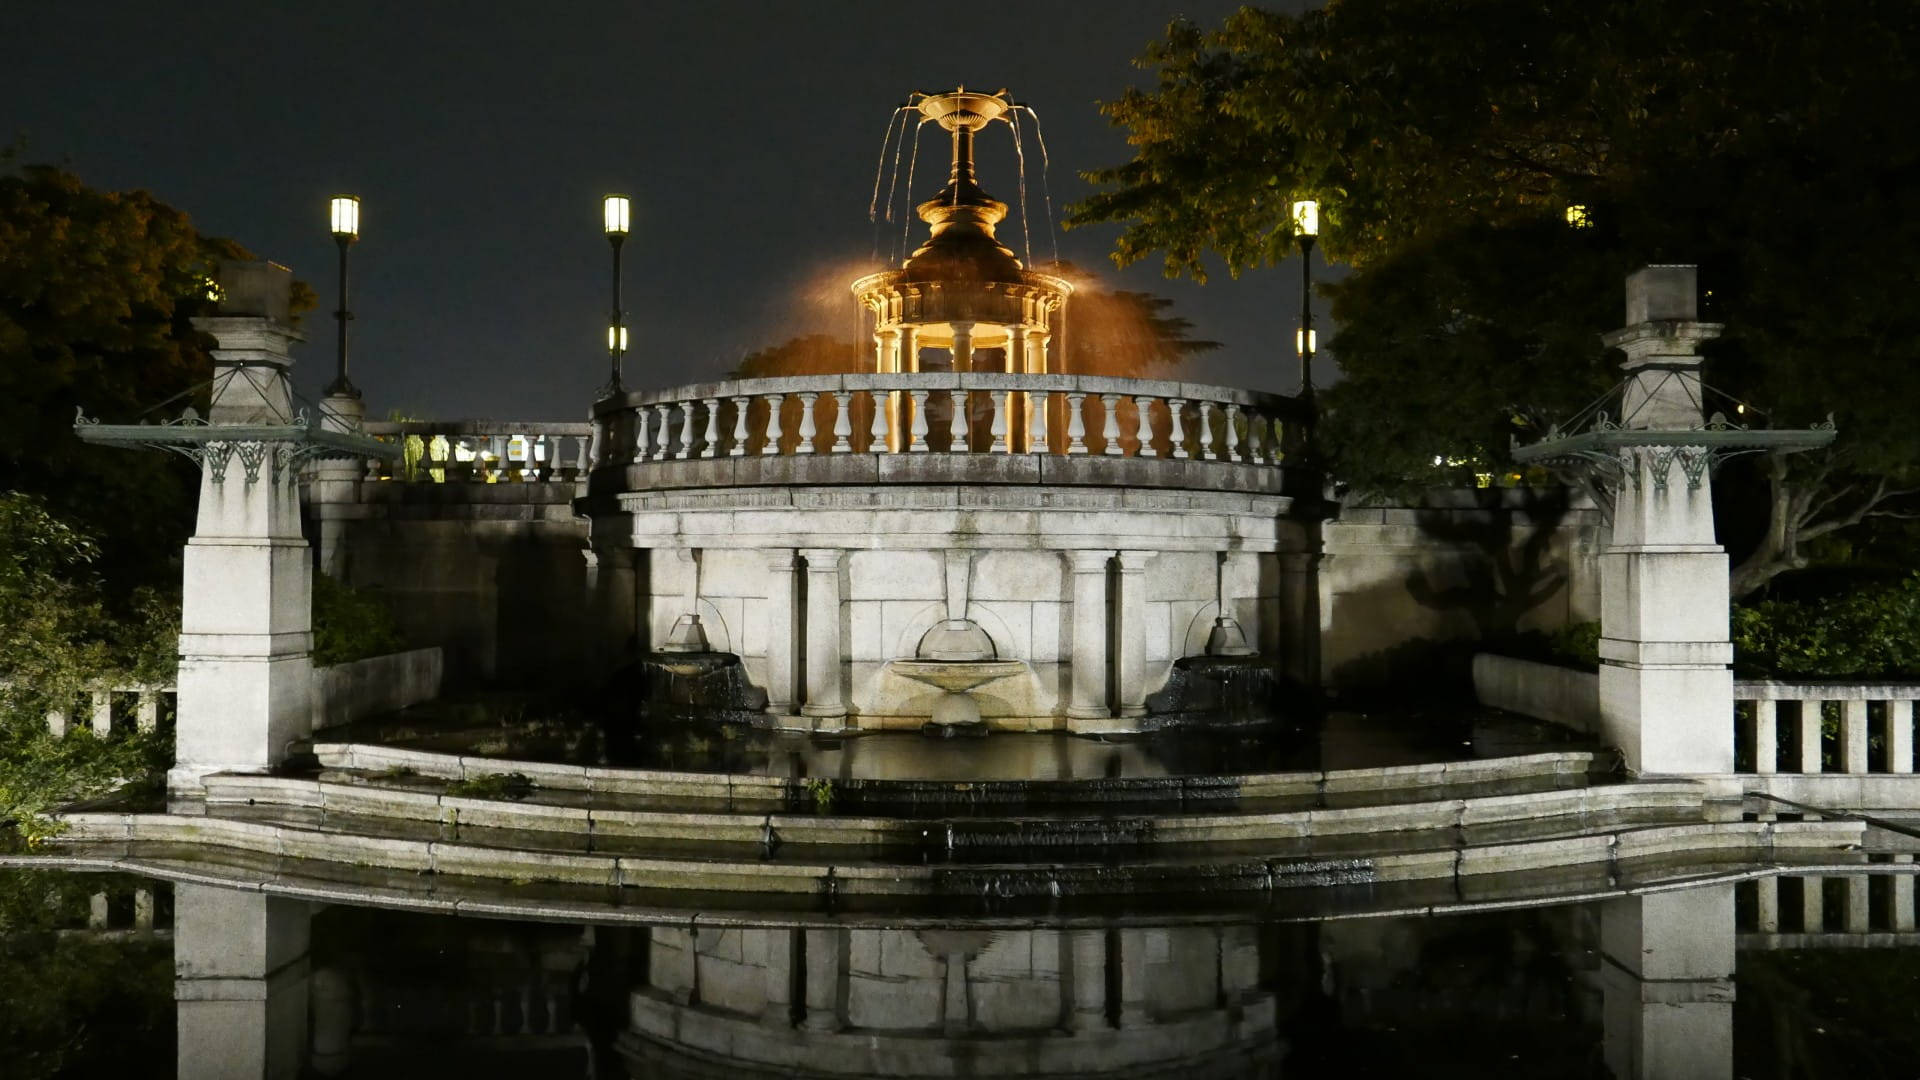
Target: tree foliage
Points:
(1446, 141)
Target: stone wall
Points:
(343, 693)
(492, 574)
(1543, 691)
(1456, 564)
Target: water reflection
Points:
(276, 987)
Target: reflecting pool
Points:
(1750, 976)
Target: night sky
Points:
(481, 137)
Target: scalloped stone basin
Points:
(954, 710)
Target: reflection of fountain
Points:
(956, 657)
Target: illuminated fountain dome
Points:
(962, 290)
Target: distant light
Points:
(214, 292)
(617, 334)
(1578, 217)
(1305, 341)
(614, 212)
(344, 214)
(1306, 217)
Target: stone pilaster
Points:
(1088, 570)
(782, 591)
(1130, 645)
(826, 697)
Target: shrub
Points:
(349, 624)
(1869, 631)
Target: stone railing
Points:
(101, 704)
(1779, 727)
(483, 451)
(1800, 911)
(945, 413)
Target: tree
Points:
(97, 293)
(1447, 142)
(1122, 332)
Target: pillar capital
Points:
(783, 560)
(1135, 562)
(822, 560)
(1088, 561)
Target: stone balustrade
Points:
(100, 705)
(483, 451)
(947, 413)
(1780, 727)
(1857, 910)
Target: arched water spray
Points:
(1020, 156)
(913, 161)
(1046, 187)
(880, 168)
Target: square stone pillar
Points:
(1130, 635)
(1667, 984)
(826, 698)
(1088, 570)
(240, 983)
(782, 592)
(1666, 690)
(333, 487)
(826, 975)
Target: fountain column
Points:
(962, 348)
(1089, 701)
(1130, 646)
(782, 583)
(825, 699)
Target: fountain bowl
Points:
(956, 676)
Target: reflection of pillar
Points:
(1667, 984)
(1085, 966)
(1089, 694)
(824, 970)
(240, 983)
(781, 584)
(1131, 637)
(824, 697)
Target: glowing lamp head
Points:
(1578, 217)
(344, 215)
(1305, 341)
(1306, 218)
(614, 214)
(616, 339)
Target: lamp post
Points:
(1306, 229)
(343, 215)
(615, 219)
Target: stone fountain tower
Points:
(962, 290)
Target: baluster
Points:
(57, 723)
(774, 404)
(686, 431)
(1110, 427)
(642, 441)
(1233, 432)
(957, 422)
(147, 713)
(103, 713)
(1276, 440)
(1177, 438)
(580, 457)
(97, 911)
(1766, 737)
(1037, 422)
(1001, 443)
(1076, 423)
(1143, 426)
(1256, 450)
(1206, 431)
(877, 433)
(843, 422)
(712, 436)
(663, 415)
(739, 447)
(143, 909)
(919, 430)
(807, 427)
(497, 446)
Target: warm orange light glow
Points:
(1306, 217)
(344, 215)
(614, 214)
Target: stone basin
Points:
(957, 676)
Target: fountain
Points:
(956, 657)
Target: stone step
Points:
(583, 823)
(1187, 869)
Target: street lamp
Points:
(1306, 229)
(343, 215)
(614, 216)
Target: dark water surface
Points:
(109, 975)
